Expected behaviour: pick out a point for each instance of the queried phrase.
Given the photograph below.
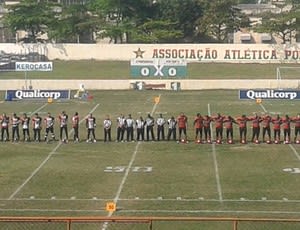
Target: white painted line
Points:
(211, 211)
(290, 145)
(44, 162)
(200, 199)
(39, 109)
(264, 109)
(294, 151)
(117, 196)
(213, 146)
(154, 211)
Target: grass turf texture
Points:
(91, 69)
(186, 179)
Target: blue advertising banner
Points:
(270, 94)
(36, 94)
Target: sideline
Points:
(181, 211)
(214, 153)
(44, 162)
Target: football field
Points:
(150, 178)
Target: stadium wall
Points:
(233, 53)
(161, 84)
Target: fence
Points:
(151, 223)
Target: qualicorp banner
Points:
(270, 94)
(36, 94)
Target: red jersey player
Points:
(219, 127)
(182, 124)
(242, 121)
(266, 128)
(286, 125)
(198, 124)
(255, 127)
(276, 128)
(296, 120)
(75, 125)
(228, 121)
(206, 128)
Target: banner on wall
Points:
(36, 94)
(269, 94)
(34, 66)
(158, 68)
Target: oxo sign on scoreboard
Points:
(158, 68)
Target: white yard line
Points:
(154, 211)
(290, 145)
(38, 109)
(43, 163)
(295, 151)
(264, 109)
(213, 146)
(117, 196)
(191, 200)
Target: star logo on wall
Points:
(139, 53)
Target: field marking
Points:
(44, 162)
(290, 145)
(213, 146)
(153, 211)
(39, 109)
(117, 197)
(161, 199)
(264, 109)
(294, 151)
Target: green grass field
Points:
(150, 178)
(92, 69)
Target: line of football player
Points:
(129, 129)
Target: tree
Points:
(283, 25)
(221, 18)
(75, 24)
(121, 17)
(155, 31)
(183, 14)
(32, 16)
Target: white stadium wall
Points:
(212, 53)
(129, 84)
(236, 53)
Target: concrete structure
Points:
(130, 84)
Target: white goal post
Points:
(287, 72)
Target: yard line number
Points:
(292, 170)
(122, 169)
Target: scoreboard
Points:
(161, 68)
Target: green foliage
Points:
(220, 19)
(156, 32)
(32, 16)
(282, 25)
(74, 23)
